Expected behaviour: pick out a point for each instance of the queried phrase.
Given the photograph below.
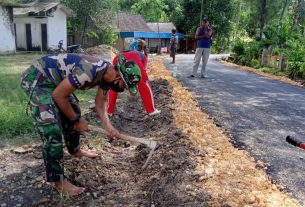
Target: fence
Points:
(84, 41)
(276, 61)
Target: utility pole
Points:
(159, 39)
(201, 12)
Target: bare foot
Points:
(68, 188)
(83, 153)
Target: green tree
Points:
(219, 13)
(151, 10)
(125, 5)
(94, 16)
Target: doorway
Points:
(28, 34)
(44, 37)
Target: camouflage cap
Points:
(130, 73)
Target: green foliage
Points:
(13, 118)
(125, 5)
(109, 36)
(296, 69)
(151, 10)
(247, 53)
(239, 48)
(295, 53)
(255, 63)
(254, 50)
(273, 71)
(92, 35)
(220, 45)
(218, 12)
(91, 17)
(276, 51)
(13, 100)
(295, 50)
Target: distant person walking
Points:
(134, 44)
(173, 45)
(203, 36)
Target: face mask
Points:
(115, 85)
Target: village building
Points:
(7, 34)
(162, 31)
(134, 26)
(41, 25)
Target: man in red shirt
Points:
(140, 58)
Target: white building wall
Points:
(35, 30)
(20, 35)
(57, 29)
(7, 38)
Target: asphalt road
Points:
(258, 112)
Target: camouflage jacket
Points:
(82, 71)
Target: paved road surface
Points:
(258, 112)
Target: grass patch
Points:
(273, 71)
(84, 96)
(13, 100)
(14, 122)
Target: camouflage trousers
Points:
(51, 123)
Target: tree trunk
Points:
(84, 30)
(281, 18)
(283, 11)
(262, 16)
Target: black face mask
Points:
(115, 86)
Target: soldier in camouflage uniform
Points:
(50, 83)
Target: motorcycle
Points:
(70, 49)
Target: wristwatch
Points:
(76, 118)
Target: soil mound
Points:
(106, 52)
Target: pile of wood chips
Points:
(230, 174)
(274, 77)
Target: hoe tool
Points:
(152, 145)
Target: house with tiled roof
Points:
(162, 29)
(134, 26)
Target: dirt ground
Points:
(195, 164)
(106, 52)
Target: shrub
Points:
(296, 69)
(276, 51)
(239, 48)
(255, 63)
(253, 50)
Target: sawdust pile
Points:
(274, 77)
(231, 175)
(106, 52)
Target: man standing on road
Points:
(173, 45)
(203, 37)
(49, 83)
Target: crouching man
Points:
(49, 83)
